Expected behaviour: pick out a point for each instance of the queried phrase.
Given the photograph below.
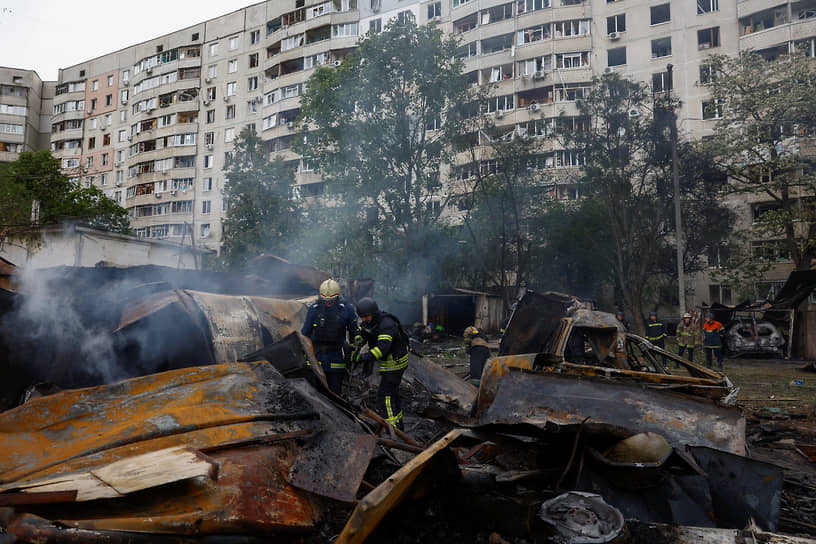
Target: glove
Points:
(367, 361)
(358, 342)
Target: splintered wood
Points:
(126, 476)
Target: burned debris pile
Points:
(214, 423)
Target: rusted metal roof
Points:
(246, 417)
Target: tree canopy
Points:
(380, 126)
(34, 191)
(764, 141)
(627, 169)
(262, 215)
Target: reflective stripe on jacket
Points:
(655, 331)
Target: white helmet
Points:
(329, 290)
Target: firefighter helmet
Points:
(329, 290)
(367, 306)
(471, 332)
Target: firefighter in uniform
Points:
(388, 345)
(656, 333)
(688, 337)
(712, 341)
(476, 346)
(327, 322)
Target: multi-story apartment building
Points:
(152, 124)
(25, 112)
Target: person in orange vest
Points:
(712, 340)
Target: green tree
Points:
(380, 126)
(262, 215)
(502, 190)
(763, 140)
(34, 191)
(626, 148)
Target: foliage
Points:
(578, 249)
(502, 200)
(37, 177)
(262, 216)
(763, 141)
(627, 150)
(380, 126)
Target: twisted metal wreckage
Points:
(578, 433)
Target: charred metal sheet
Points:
(370, 511)
(234, 325)
(544, 399)
(448, 394)
(742, 488)
(246, 417)
(333, 464)
(534, 321)
(49, 431)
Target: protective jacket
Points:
(326, 326)
(655, 331)
(711, 334)
(387, 343)
(688, 336)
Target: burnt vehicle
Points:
(749, 336)
(562, 362)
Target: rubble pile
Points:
(577, 433)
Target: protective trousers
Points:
(389, 405)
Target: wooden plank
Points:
(11, 499)
(154, 469)
(86, 486)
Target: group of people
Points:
(689, 336)
(330, 323)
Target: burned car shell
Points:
(746, 336)
(581, 367)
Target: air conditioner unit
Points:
(539, 74)
(209, 147)
(89, 112)
(149, 70)
(164, 172)
(116, 163)
(124, 101)
(259, 99)
(614, 36)
(337, 63)
(226, 99)
(129, 138)
(173, 192)
(206, 102)
(207, 79)
(150, 109)
(290, 125)
(118, 183)
(125, 82)
(608, 70)
(499, 114)
(533, 107)
(157, 194)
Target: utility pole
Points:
(678, 233)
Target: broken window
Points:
(572, 60)
(565, 29)
(533, 34)
(526, 6)
(708, 38)
(497, 44)
(661, 47)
